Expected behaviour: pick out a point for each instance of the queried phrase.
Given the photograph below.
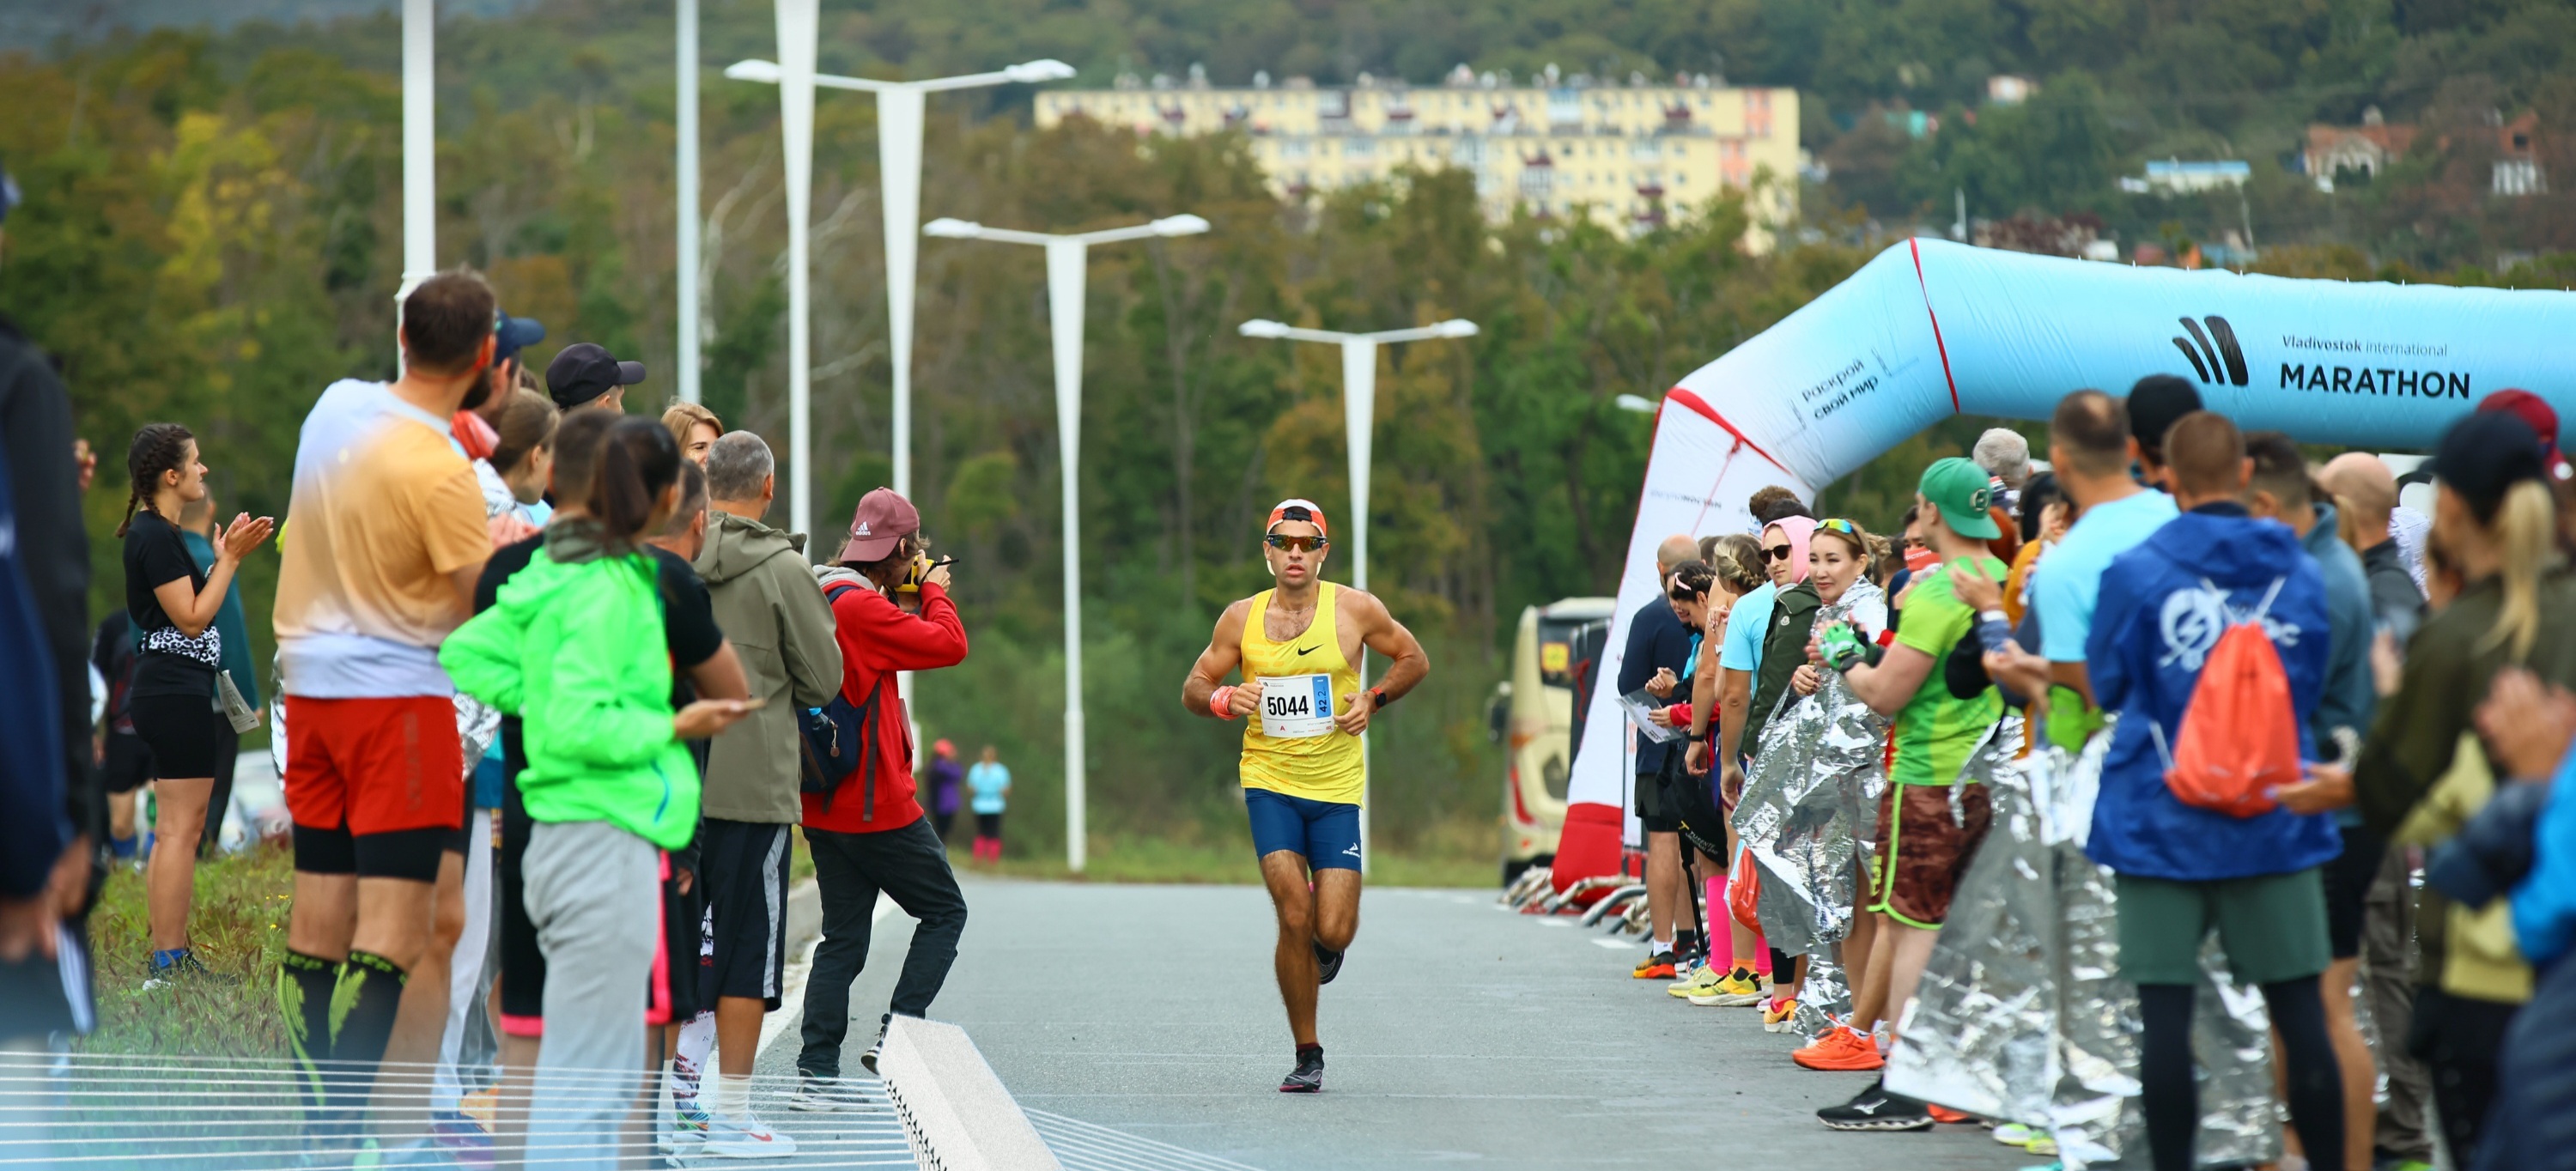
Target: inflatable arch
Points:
(1930, 328)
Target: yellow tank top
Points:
(1301, 683)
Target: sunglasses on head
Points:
(1296, 544)
(1838, 525)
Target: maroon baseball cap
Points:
(883, 520)
(2535, 410)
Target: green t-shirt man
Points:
(1935, 730)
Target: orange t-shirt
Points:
(384, 510)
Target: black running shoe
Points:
(1328, 964)
(1876, 1109)
(1308, 1077)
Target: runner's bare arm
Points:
(1380, 632)
(1224, 654)
(1407, 663)
(1890, 685)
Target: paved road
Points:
(1455, 1034)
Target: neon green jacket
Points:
(576, 651)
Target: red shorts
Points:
(374, 766)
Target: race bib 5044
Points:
(1296, 707)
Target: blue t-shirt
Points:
(987, 781)
(1745, 626)
(2068, 579)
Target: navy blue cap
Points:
(513, 334)
(584, 371)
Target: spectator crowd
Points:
(2303, 756)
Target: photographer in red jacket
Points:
(868, 834)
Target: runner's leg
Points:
(1284, 872)
(412, 1050)
(1663, 884)
(465, 966)
(1337, 907)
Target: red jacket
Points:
(877, 639)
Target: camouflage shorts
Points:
(1926, 848)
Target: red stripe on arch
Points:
(1699, 406)
(1937, 343)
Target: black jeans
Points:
(911, 866)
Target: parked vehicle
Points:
(1537, 716)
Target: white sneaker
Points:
(868, 1060)
(746, 1138)
(827, 1095)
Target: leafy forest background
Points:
(211, 234)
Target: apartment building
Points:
(1632, 156)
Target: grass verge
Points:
(238, 928)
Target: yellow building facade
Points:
(1629, 156)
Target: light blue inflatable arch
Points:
(1931, 328)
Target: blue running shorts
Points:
(1326, 833)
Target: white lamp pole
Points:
(1359, 416)
(1066, 256)
(419, 153)
(899, 113)
(686, 171)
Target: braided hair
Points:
(157, 448)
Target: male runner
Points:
(389, 538)
(1299, 646)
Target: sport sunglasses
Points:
(1297, 544)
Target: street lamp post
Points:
(686, 174)
(1359, 415)
(899, 112)
(419, 154)
(1065, 258)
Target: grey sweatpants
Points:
(593, 893)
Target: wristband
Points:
(1221, 702)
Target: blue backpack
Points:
(836, 739)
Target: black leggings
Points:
(2458, 1039)
(2172, 1100)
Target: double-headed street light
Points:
(1065, 257)
(1359, 414)
(899, 111)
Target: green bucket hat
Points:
(1962, 493)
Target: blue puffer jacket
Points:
(2155, 624)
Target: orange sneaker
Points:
(1659, 966)
(1840, 1049)
(1944, 1114)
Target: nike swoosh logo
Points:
(1308, 650)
